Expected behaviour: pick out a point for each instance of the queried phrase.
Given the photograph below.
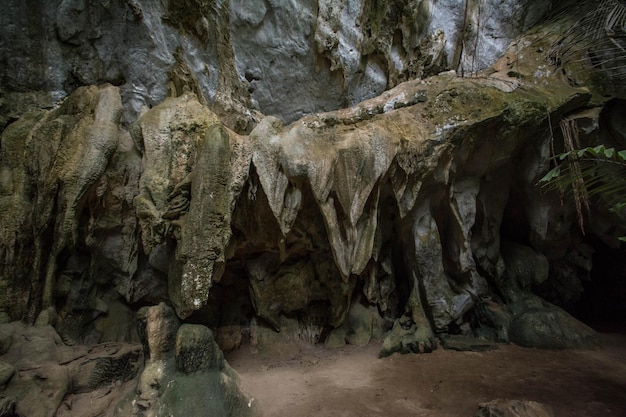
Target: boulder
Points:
(41, 376)
(183, 361)
(551, 328)
(407, 337)
(494, 320)
(524, 265)
(514, 408)
(361, 326)
(6, 338)
(466, 343)
(197, 350)
(7, 407)
(103, 369)
(6, 373)
(229, 337)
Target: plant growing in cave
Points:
(597, 37)
(587, 173)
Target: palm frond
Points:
(599, 35)
(587, 173)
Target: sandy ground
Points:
(306, 380)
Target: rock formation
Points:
(511, 408)
(42, 376)
(185, 372)
(337, 170)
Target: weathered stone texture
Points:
(184, 374)
(373, 201)
(285, 59)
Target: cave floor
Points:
(312, 380)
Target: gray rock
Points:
(46, 318)
(524, 265)
(101, 371)
(495, 320)
(336, 338)
(161, 325)
(361, 326)
(514, 408)
(197, 350)
(408, 190)
(7, 407)
(229, 337)
(484, 39)
(297, 58)
(6, 373)
(448, 300)
(407, 337)
(551, 328)
(6, 338)
(466, 343)
(183, 361)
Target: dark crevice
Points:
(603, 302)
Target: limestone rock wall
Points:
(404, 199)
(184, 372)
(381, 196)
(282, 58)
(167, 184)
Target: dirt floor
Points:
(306, 380)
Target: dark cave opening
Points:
(231, 311)
(603, 301)
(392, 230)
(515, 226)
(597, 297)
